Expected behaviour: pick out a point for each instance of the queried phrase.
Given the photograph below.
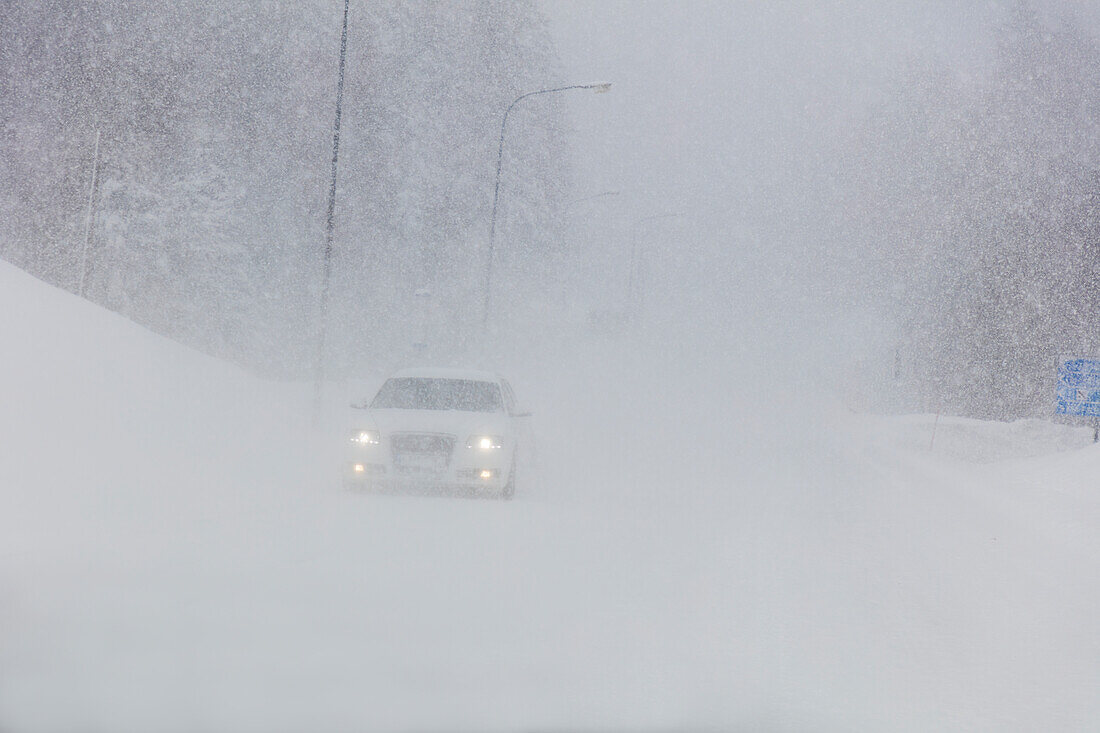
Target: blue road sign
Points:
(1078, 387)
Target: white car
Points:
(444, 430)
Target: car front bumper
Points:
(424, 461)
(465, 479)
(435, 486)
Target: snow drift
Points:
(175, 554)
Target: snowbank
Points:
(175, 555)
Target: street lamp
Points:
(598, 89)
(593, 197)
(635, 264)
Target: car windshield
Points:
(419, 393)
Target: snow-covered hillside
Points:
(175, 554)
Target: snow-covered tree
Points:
(216, 130)
(976, 198)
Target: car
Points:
(439, 430)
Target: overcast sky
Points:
(714, 102)
(707, 91)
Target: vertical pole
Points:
(88, 218)
(488, 286)
(488, 282)
(630, 267)
(330, 222)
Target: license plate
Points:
(420, 464)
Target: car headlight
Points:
(365, 437)
(485, 442)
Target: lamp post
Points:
(88, 218)
(593, 197)
(330, 222)
(635, 264)
(599, 89)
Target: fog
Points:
(737, 123)
(784, 303)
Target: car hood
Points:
(460, 424)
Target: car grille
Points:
(421, 453)
(422, 443)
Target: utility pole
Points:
(88, 218)
(330, 223)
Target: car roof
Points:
(473, 375)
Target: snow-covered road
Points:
(176, 554)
